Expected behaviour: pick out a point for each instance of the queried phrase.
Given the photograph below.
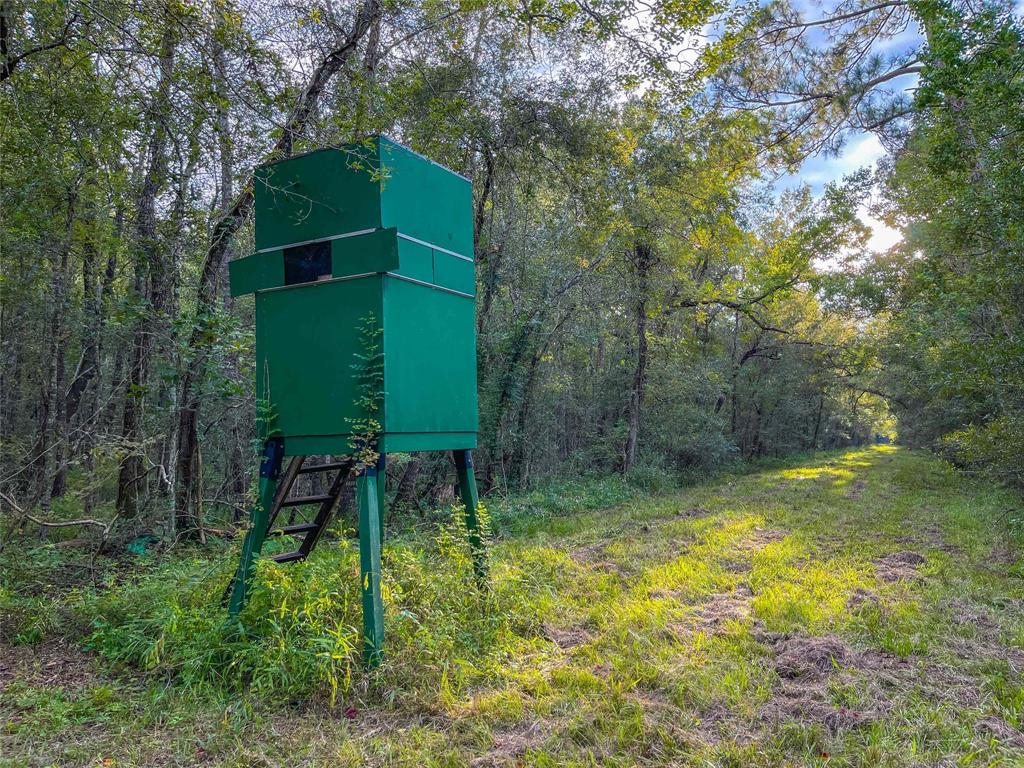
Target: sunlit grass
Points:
(637, 634)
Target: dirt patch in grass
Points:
(809, 702)
(509, 746)
(980, 634)
(856, 489)
(966, 613)
(861, 598)
(695, 512)
(810, 657)
(714, 614)
(704, 729)
(595, 556)
(51, 664)
(762, 538)
(899, 566)
(929, 537)
(810, 668)
(567, 638)
(1001, 731)
(724, 607)
(807, 666)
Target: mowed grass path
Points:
(863, 608)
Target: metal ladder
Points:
(310, 530)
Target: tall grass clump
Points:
(300, 636)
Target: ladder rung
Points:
(288, 557)
(330, 467)
(288, 530)
(298, 501)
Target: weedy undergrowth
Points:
(301, 631)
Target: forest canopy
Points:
(652, 298)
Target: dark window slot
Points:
(307, 263)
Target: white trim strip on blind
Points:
(317, 240)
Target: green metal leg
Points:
(467, 489)
(270, 471)
(382, 498)
(369, 561)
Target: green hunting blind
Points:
(364, 285)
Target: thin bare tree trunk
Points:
(642, 261)
(51, 422)
(150, 279)
(168, 392)
(235, 461)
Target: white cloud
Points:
(866, 151)
(883, 237)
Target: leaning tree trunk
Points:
(92, 308)
(405, 495)
(188, 494)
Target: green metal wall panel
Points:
(417, 261)
(410, 216)
(306, 346)
(373, 252)
(318, 195)
(406, 442)
(429, 359)
(425, 200)
(256, 272)
(455, 273)
(363, 186)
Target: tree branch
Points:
(9, 61)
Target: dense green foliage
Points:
(951, 340)
(646, 302)
(654, 311)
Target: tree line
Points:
(648, 302)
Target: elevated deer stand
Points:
(365, 342)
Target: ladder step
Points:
(288, 530)
(288, 557)
(329, 467)
(298, 501)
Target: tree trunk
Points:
(168, 392)
(642, 261)
(235, 465)
(150, 280)
(734, 397)
(406, 493)
(89, 363)
(488, 258)
(817, 421)
(518, 463)
(48, 453)
(188, 491)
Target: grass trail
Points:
(856, 609)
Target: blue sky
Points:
(861, 150)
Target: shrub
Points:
(993, 450)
